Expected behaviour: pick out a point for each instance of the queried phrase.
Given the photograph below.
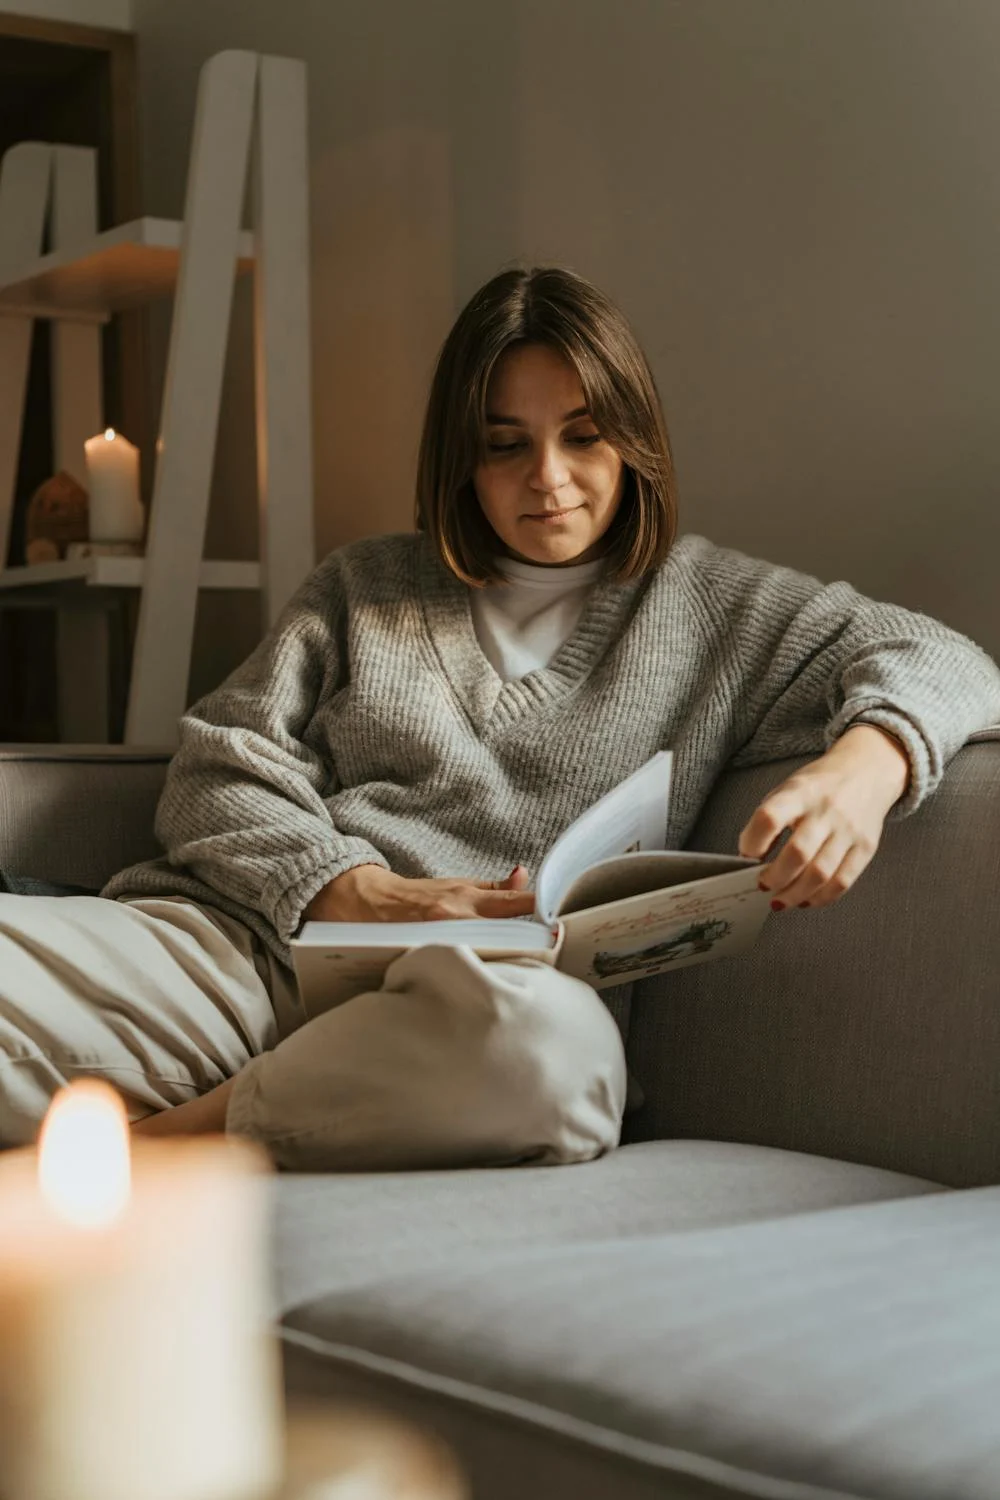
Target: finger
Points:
(780, 810)
(803, 846)
(517, 880)
(857, 859)
(504, 904)
(815, 874)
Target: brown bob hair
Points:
(553, 306)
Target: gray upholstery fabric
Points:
(77, 814)
(333, 1233)
(869, 1030)
(849, 1352)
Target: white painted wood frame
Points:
(281, 327)
(231, 84)
(192, 396)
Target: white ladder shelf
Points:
(124, 267)
(81, 284)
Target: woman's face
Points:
(549, 484)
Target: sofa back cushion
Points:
(77, 814)
(867, 1030)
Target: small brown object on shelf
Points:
(41, 550)
(57, 515)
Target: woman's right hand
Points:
(369, 893)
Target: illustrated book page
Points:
(644, 913)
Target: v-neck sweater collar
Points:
(486, 698)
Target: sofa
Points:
(785, 1283)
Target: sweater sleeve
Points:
(813, 659)
(243, 805)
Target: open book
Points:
(611, 904)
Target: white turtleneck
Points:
(521, 624)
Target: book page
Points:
(632, 816)
(501, 933)
(666, 929)
(638, 873)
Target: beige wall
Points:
(796, 203)
(114, 14)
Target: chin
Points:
(561, 547)
(551, 553)
(568, 549)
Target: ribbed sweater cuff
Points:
(296, 881)
(923, 779)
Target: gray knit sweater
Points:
(369, 727)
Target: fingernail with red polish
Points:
(777, 905)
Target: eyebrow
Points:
(501, 421)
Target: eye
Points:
(585, 441)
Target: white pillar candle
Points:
(113, 485)
(136, 1361)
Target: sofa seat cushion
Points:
(848, 1352)
(337, 1232)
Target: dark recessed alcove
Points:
(69, 85)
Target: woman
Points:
(432, 709)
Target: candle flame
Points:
(109, 434)
(83, 1155)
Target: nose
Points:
(549, 470)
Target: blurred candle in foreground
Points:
(135, 1357)
(114, 507)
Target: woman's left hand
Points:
(836, 807)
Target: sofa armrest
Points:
(868, 1030)
(78, 813)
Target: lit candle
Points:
(135, 1357)
(113, 486)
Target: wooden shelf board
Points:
(124, 267)
(123, 573)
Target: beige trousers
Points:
(452, 1062)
